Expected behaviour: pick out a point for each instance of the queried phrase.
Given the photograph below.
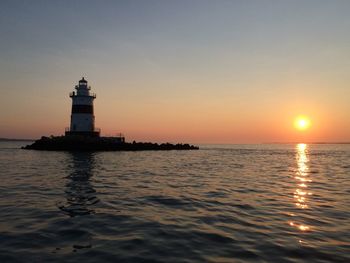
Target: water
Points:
(228, 203)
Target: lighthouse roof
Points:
(83, 80)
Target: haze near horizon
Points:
(188, 71)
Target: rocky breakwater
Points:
(81, 143)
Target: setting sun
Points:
(302, 123)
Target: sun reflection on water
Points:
(302, 173)
(301, 193)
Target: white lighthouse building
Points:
(82, 118)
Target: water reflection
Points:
(302, 176)
(80, 194)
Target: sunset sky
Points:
(179, 71)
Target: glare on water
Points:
(302, 177)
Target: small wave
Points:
(167, 201)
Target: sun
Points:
(302, 123)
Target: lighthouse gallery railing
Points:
(73, 94)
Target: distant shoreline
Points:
(306, 142)
(24, 140)
(19, 140)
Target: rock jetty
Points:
(81, 143)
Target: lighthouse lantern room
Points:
(82, 119)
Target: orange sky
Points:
(198, 72)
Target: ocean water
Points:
(222, 203)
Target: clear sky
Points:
(188, 71)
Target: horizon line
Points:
(211, 143)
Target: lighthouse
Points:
(83, 136)
(82, 118)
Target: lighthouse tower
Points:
(82, 118)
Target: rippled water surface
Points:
(226, 203)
